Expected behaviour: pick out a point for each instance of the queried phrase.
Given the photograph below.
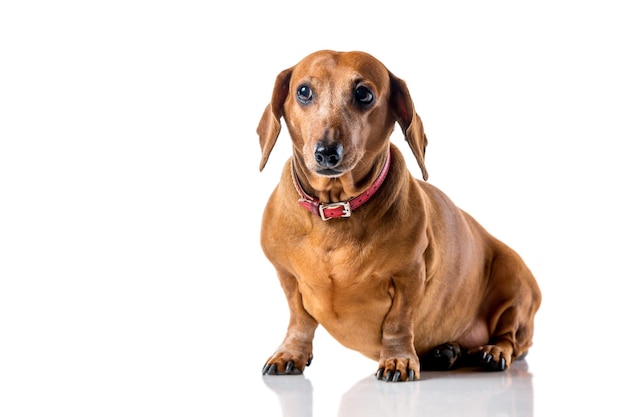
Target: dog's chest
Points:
(338, 279)
(337, 256)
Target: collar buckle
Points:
(345, 212)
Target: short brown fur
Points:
(409, 274)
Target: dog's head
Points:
(340, 109)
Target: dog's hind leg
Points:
(503, 348)
(512, 303)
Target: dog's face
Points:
(340, 109)
(337, 110)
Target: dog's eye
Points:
(363, 96)
(304, 94)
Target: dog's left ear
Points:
(269, 125)
(409, 121)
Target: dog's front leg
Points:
(296, 351)
(398, 359)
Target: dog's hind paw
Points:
(442, 357)
(489, 363)
(490, 358)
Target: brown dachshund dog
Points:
(386, 263)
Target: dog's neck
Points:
(336, 197)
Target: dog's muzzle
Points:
(328, 156)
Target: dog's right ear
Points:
(269, 125)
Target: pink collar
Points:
(341, 208)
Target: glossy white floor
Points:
(131, 278)
(458, 393)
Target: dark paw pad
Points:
(441, 358)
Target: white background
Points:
(131, 276)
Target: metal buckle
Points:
(346, 209)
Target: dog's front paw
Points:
(398, 369)
(285, 363)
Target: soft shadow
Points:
(463, 393)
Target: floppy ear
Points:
(409, 121)
(269, 125)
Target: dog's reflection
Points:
(295, 394)
(458, 393)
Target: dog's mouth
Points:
(329, 172)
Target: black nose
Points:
(328, 155)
